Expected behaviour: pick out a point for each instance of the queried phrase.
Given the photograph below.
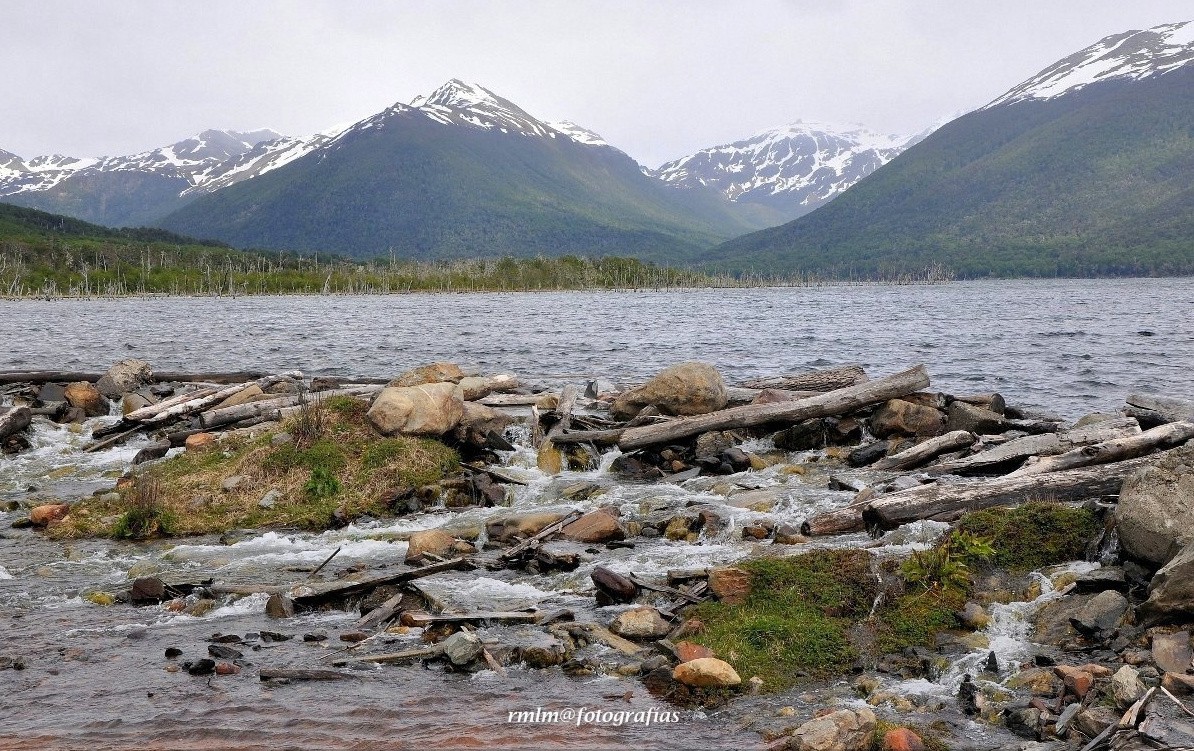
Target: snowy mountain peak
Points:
(1133, 55)
(578, 133)
(473, 105)
(457, 94)
(794, 168)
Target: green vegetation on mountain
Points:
(48, 255)
(423, 190)
(1099, 182)
(116, 198)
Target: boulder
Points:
(1155, 515)
(843, 730)
(706, 672)
(436, 372)
(132, 403)
(1103, 613)
(521, 526)
(279, 606)
(596, 526)
(14, 420)
(1172, 652)
(432, 409)
(123, 377)
(479, 387)
(687, 651)
(86, 397)
(803, 436)
(902, 739)
(243, 396)
(477, 419)
(147, 589)
(899, 417)
(200, 441)
(1171, 593)
(963, 416)
(463, 648)
(640, 623)
(1180, 684)
(45, 514)
(691, 388)
(433, 541)
(730, 584)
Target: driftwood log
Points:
(821, 381)
(832, 403)
(267, 407)
(1045, 444)
(930, 501)
(165, 376)
(923, 452)
(172, 408)
(1117, 450)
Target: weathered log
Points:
(415, 653)
(515, 551)
(1119, 449)
(1153, 410)
(220, 378)
(596, 437)
(267, 407)
(423, 620)
(821, 381)
(496, 474)
(151, 410)
(46, 376)
(14, 421)
(113, 440)
(155, 413)
(513, 400)
(926, 450)
(990, 402)
(313, 595)
(303, 674)
(825, 405)
(1046, 444)
(836, 522)
(930, 501)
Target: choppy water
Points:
(96, 676)
(1072, 346)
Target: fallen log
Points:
(606, 437)
(268, 407)
(496, 474)
(930, 501)
(111, 440)
(220, 379)
(415, 653)
(1153, 410)
(1045, 444)
(821, 381)
(303, 674)
(37, 377)
(513, 400)
(1162, 436)
(313, 595)
(154, 413)
(423, 620)
(922, 452)
(150, 410)
(825, 405)
(836, 522)
(14, 421)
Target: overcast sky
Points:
(657, 78)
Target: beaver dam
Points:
(825, 560)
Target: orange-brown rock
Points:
(1077, 681)
(902, 739)
(730, 584)
(436, 372)
(87, 398)
(200, 441)
(706, 672)
(687, 651)
(48, 513)
(899, 417)
(596, 526)
(433, 541)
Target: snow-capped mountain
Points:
(1133, 55)
(795, 168)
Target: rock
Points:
(1091, 722)
(1024, 722)
(730, 584)
(86, 397)
(437, 372)
(1171, 593)
(279, 606)
(690, 388)
(232, 483)
(521, 526)
(596, 526)
(1126, 687)
(224, 652)
(477, 421)
(902, 739)
(1100, 580)
(899, 417)
(1101, 614)
(46, 514)
(789, 534)
(243, 396)
(226, 668)
(1038, 681)
(640, 623)
(843, 730)
(1155, 514)
(103, 599)
(433, 541)
(973, 616)
(963, 416)
(200, 441)
(615, 586)
(270, 499)
(352, 637)
(123, 377)
(201, 667)
(1076, 680)
(462, 648)
(581, 491)
(710, 446)
(1178, 683)
(687, 651)
(432, 409)
(132, 403)
(151, 452)
(706, 672)
(147, 589)
(1172, 652)
(761, 501)
(803, 436)
(868, 454)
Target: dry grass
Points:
(344, 465)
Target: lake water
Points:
(96, 677)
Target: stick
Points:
(325, 562)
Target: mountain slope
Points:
(125, 190)
(1086, 169)
(793, 169)
(464, 172)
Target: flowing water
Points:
(95, 677)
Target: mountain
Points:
(124, 190)
(793, 169)
(463, 172)
(1085, 169)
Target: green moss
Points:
(913, 620)
(413, 462)
(1034, 535)
(324, 454)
